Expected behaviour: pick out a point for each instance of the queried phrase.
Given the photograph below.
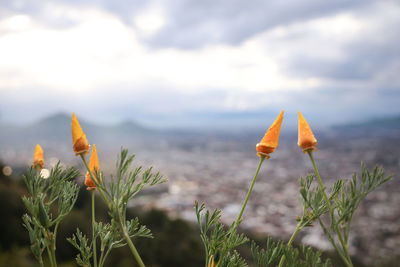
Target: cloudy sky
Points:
(176, 62)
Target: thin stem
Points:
(333, 242)
(50, 257)
(53, 252)
(347, 229)
(331, 211)
(206, 254)
(103, 259)
(54, 258)
(41, 262)
(131, 246)
(48, 245)
(294, 235)
(321, 184)
(298, 228)
(237, 222)
(249, 192)
(93, 233)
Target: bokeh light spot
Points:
(45, 173)
(7, 170)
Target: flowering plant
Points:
(61, 191)
(51, 199)
(343, 200)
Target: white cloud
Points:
(98, 50)
(76, 58)
(150, 20)
(15, 23)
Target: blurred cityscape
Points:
(217, 167)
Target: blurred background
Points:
(190, 87)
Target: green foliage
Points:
(58, 192)
(110, 238)
(343, 201)
(233, 260)
(122, 187)
(269, 256)
(117, 193)
(273, 252)
(218, 239)
(351, 193)
(304, 257)
(59, 187)
(136, 230)
(314, 205)
(35, 236)
(81, 243)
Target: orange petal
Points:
(38, 159)
(270, 140)
(306, 138)
(93, 167)
(80, 143)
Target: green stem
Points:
(333, 242)
(49, 245)
(206, 254)
(41, 262)
(101, 260)
(131, 246)
(298, 228)
(103, 257)
(54, 258)
(321, 184)
(93, 233)
(237, 222)
(50, 257)
(53, 252)
(294, 235)
(331, 211)
(249, 192)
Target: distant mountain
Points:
(56, 129)
(373, 126)
(206, 121)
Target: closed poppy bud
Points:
(80, 143)
(211, 261)
(38, 160)
(270, 140)
(306, 138)
(93, 167)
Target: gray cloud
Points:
(364, 58)
(193, 24)
(123, 9)
(373, 58)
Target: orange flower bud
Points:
(211, 261)
(306, 138)
(270, 140)
(80, 143)
(38, 160)
(93, 167)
